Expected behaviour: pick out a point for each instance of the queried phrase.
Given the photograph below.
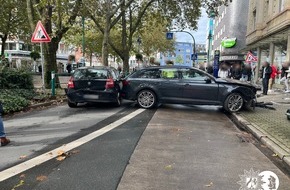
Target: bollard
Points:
(52, 83)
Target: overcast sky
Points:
(199, 34)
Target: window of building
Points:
(266, 10)
(12, 46)
(254, 19)
(281, 5)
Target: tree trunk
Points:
(3, 39)
(125, 60)
(49, 51)
(105, 45)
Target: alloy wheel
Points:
(146, 99)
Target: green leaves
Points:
(16, 89)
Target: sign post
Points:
(216, 63)
(40, 36)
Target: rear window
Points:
(92, 74)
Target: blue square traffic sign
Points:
(193, 56)
(169, 35)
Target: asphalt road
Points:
(174, 147)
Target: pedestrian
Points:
(4, 140)
(223, 71)
(69, 68)
(284, 75)
(246, 73)
(266, 74)
(119, 69)
(209, 69)
(273, 76)
(236, 71)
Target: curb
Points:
(45, 104)
(263, 138)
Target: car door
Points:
(199, 88)
(169, 85)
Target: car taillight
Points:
(110, 84)
(125, 83)
(71, 83)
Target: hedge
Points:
(16, 89)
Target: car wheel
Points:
(146, 99)
(72, 104)
(234, 102)
(118, 100)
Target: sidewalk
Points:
(188, 148)
(270, 126)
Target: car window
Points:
(192, 74)
(92, 74)
(171, 73)
(152, 74)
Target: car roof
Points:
(96, 67)
(168, 66)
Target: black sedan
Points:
(94, 84)
(186, 85)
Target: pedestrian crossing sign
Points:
(251, 58)
(40, 34)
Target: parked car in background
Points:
(186, 85)
(94, 84)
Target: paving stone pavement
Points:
(273, 123)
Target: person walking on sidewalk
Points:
(4, 140)
(273, 76)
(266, 74)
(284, 75)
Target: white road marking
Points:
(10, 172)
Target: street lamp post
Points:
(194, 49)
(210, 32)
(83, 41)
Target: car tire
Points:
(146, 99)
(233, 103)
(118, 100)
(72, 104)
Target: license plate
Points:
(91, 96)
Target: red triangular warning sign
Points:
(40, 34)
(251, 58)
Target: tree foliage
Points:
(57, 16)
(106, 14)
(13, 21)
(152, 33)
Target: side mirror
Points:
(207, 80)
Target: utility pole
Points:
(83, 41)
(210, 35)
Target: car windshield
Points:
(91, 74)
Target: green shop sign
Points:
(229, 42)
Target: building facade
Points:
(18, 54)
(230, 29)
(180, 56)
(268, 33)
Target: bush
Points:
(12, 102)
(15, 79)
(16, 89)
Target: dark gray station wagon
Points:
(186, 85)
